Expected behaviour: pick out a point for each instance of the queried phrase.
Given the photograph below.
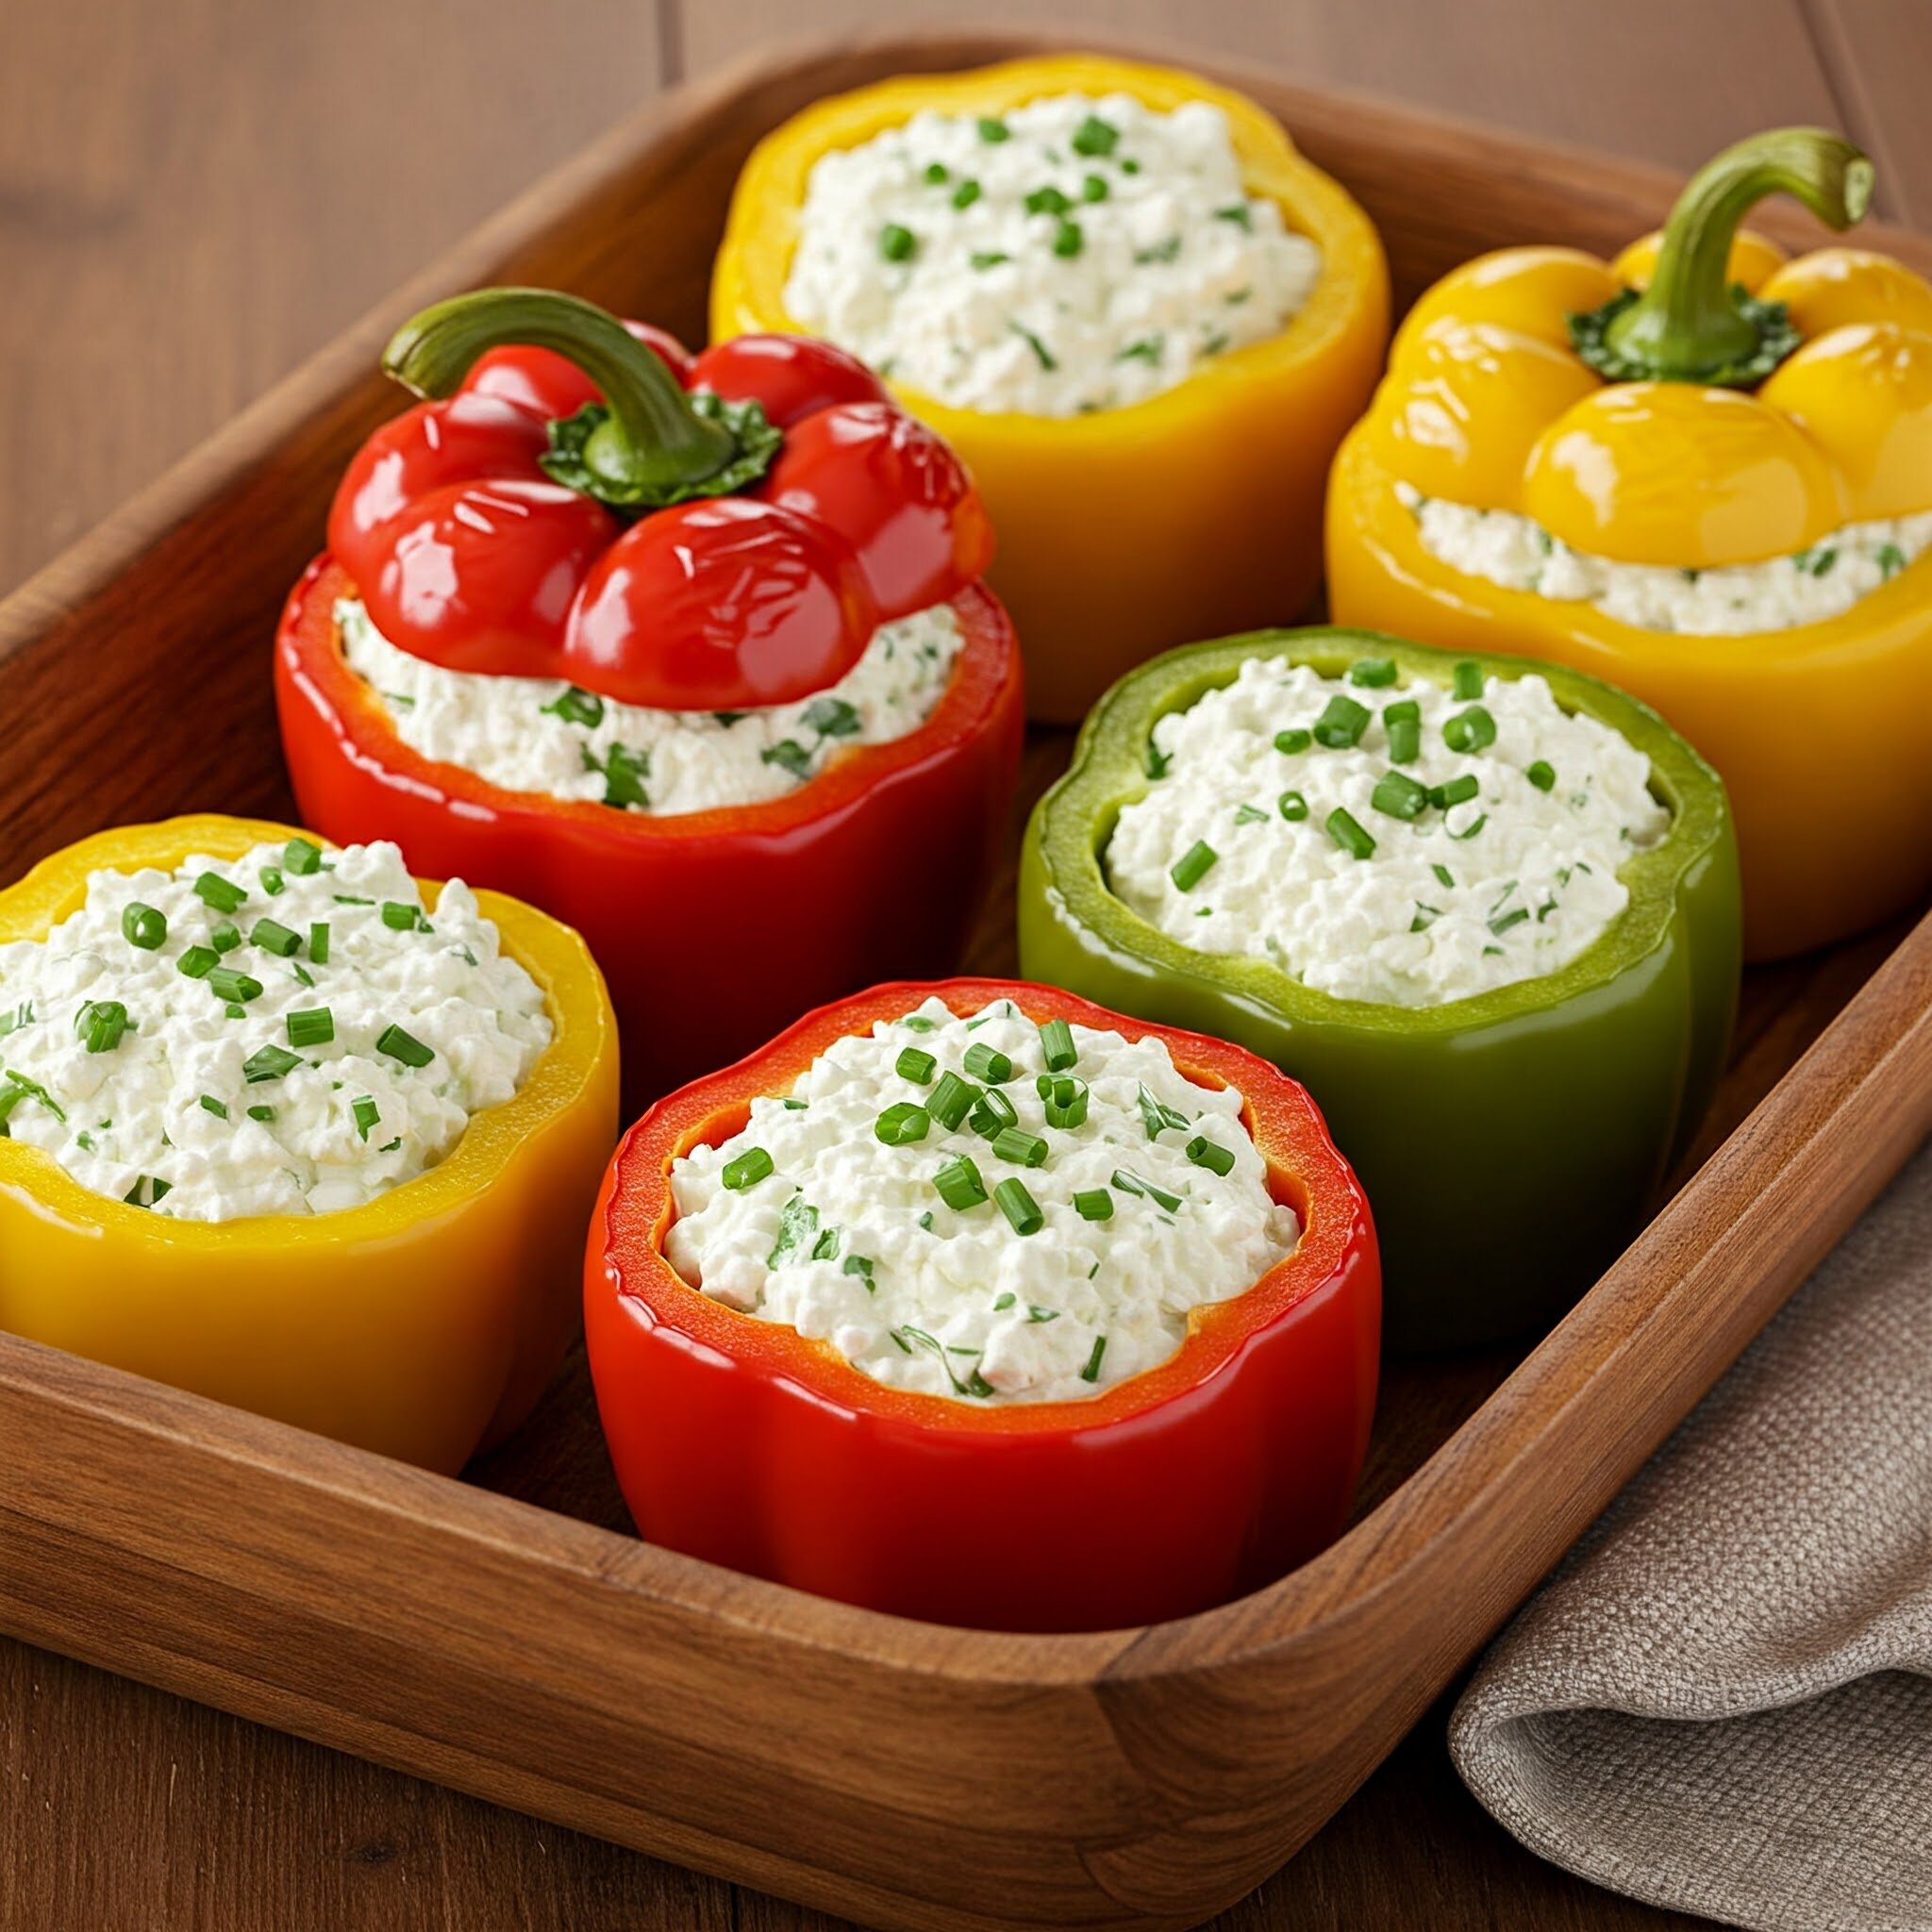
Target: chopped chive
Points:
(147, 1191)
(745, 1169)
(1155, 762)
(224, 895)
(225, 937)
(1095, 188)
(22, 1015)
(1468, 730)
(1467, 681)
(1456, 791)
(1502, 922)
(915, 1022)
(1021, 1209)
(1041, 354)
(798, 1228)
(993, 130)
(1093, 1204)
(1404, 724)
(101, 1024)
(1022, 1148)
(1047, 201)
(235, 1011)
(197, 962)
(1294, 740)
(218, 1107)
(303, 976)
(1442, 875)
(1397, 794)
(1475, 826)
(269, 1063)
(1246, 814)
(951, 1100)
(312, 1027)
(625, 771)
(1146, 349)
(1057, 1044)
(1005, 1302)
(350, 899)
(861, 1266)
(988, 1063)
(1132, 1184)
(272, 879)
(1092, 1371)
(1543, 775)
(1193, 865)
(937, 173)
(898, 242)
(1293, 807)
(1156, 1115)
(1210, 1154)
(832, 718)
(302, 857)
(271, 936)
(1342, 724)
(960, 1184)
(901, 1124)
(1239, 212)
(1094, 137)
(915, 1064)
(1425, 916)
(40, 1094)
(966, 193)
(575, 707)
(366, 1114)
(232, 987)
(991, 1113)
(1068, 239)
(318, 943)
(262, 1113)
(399, 916)
(143, 927)
(1890, 561)
(1348, 832)
(1066, 1102)
(404, 1046)
(1373, 671)
(990, 258)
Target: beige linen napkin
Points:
(1722, 1702)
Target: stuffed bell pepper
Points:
(1702, 473)
(691, 653)
(975, 1303)
(1487, 910)
(1117, 291)
(281, 1126)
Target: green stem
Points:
(654, 441)
(1690, 325)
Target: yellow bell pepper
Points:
(1122, 532)
(423, 1324)
(1699, 402)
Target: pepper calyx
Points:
(1592, 336)
(755, 441)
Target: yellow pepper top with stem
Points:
(423, 1324)
(1122, 532)
(1699, 402)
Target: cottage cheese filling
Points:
(1076, 253)
(540, 735)
(874, 1206)
(1385, 842)
(288, 1033)
(1745, 599)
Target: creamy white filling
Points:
(1076, 253)
(540, 735)
(1236, 847)
(150, 1076)
(1735, 600)
(848, 1238)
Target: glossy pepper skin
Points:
(743, 1443)
(1128, 530)
(710, 926)
(423, 1324)
(580, 499)
(1823, 731)
(1512, 1142)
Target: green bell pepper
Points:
(1511, 1143)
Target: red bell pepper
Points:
(742, 1441)
(714, 928)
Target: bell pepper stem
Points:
(653, 441)
(1687, 325)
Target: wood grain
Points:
(214, 1823)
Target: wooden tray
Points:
(506, 1633)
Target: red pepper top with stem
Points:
(578, 498)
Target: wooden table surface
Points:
(193, 196)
